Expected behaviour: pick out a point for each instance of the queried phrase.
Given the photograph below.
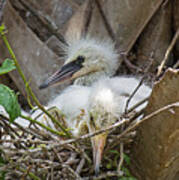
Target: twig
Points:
(107, 174)
(140, 83)
(22, 140)
(168, 52)
(176, 65)
(121, 157)
(137, 122)
(77, 177)
(131, 66)
(24, 129)
(80, 166)
(133, 125)
(30, 174)
(8, 126)
(138, 104)
(42, 125)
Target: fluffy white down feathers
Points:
(106, 97)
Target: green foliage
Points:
(127, 178)
(2, 173)
(127, 159)
(112, 163)
(127, 175)
(7, 66)
(8, 100)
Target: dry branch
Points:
(170, 47)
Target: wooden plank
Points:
(36, 59)
(127, 19)
(156, 150)
(156, 39)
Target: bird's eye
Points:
(80, 60)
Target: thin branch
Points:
(138, 104)
(80, 166)
(133, 68)
(131, 127)
(121, 157)
(176, 65)
(140, 83)
(42, 125)
(137, 122)
(170, 47)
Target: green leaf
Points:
(126, 171)
(127, 159)
(2, 175)
(114, 152)
(8, 100)
(127, 178)
(7, 66)
(109, 166)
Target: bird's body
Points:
(95, 97)
(73, 102)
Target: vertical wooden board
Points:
(155, 154)
(156, 38)
(36, 59)
(128, 18)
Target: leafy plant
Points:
(7, 66)
(8, 100)
(2, 173)
(127, 175)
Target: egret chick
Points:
(107, 103)
(73, 102)
(105, 108)
(87, 60)
(91, 63)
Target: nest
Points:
(33, 153)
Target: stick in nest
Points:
(169, 49)
(140, 83)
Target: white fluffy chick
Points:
(90, 63)
(107, 103)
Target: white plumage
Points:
(96, 100)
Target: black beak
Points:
(65, 73)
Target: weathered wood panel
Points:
(156, 149)
(156, 39)
(36, 59)
(128, 19)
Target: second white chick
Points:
(107, 102)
